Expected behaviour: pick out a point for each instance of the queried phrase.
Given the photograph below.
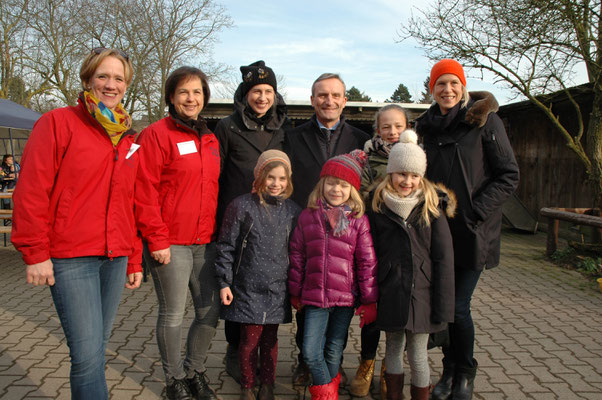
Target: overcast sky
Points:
(302, 39)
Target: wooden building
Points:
(551, 173)
(358, 114)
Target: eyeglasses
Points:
(98, 50)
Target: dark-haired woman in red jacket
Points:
(176, 202)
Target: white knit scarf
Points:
(402, 206)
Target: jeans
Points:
(324, 340)
(461, 331)
(191, 267)
(86, 295)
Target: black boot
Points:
(443, 388)
(464, 382)
(232, 366)
(177, 389)
(199, 387)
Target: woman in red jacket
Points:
(176, 201)
(73, 215)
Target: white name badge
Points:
(132, 150)
(187, 147)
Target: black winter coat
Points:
(415, 270)
(252, 259)
(303, 148)
(478, 165)
(240, 144)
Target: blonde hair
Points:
(465, 97)
(259, 186)
(386, 108)
(430, 209)
(354, 201)
(96, 57)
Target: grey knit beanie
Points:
(406, 155)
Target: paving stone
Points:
(538, 337)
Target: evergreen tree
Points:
(354, 94)
(400, 95)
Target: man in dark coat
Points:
(309, 146)
(325, 135)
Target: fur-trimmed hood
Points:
(447, 199)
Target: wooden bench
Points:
(574, 215)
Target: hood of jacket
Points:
(480, 105)
(278, 112)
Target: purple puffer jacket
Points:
(328, 271)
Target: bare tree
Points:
(55, 49)
(12, 32)
(534, 47)
(158, 36)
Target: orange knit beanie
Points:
(446, 66)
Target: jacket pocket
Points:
(64, 203)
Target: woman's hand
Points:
(40, 273)
(226, 295)
(134, 280)
(162, 256)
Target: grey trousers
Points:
(191, 267)
(417, 355)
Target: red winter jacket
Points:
(75, 194)
(328, 271)
(177, 185)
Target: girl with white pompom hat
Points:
(413, 244)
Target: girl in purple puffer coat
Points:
(333, 269)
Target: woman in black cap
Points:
(256, 125)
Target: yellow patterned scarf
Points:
(115, 122)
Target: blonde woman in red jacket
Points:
(176, 202)
(73, 213)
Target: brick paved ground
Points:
(539, 336)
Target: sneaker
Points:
(301, 375)
(199, 387)
(177, 389)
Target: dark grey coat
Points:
(415, 269)
(252, 259)
(240, 143)
(477, 163)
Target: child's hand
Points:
(296, 303)
(226, 295)
(367, 313)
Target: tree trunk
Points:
(594, 148)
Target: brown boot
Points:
(383, 382)
(360, 384)
(419, 393)
(394, 386)
(247, 394)
(266, 392)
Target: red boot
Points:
(334, 387)
(321, 392)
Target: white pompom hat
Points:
(406, 155)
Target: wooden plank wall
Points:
(551, 173)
